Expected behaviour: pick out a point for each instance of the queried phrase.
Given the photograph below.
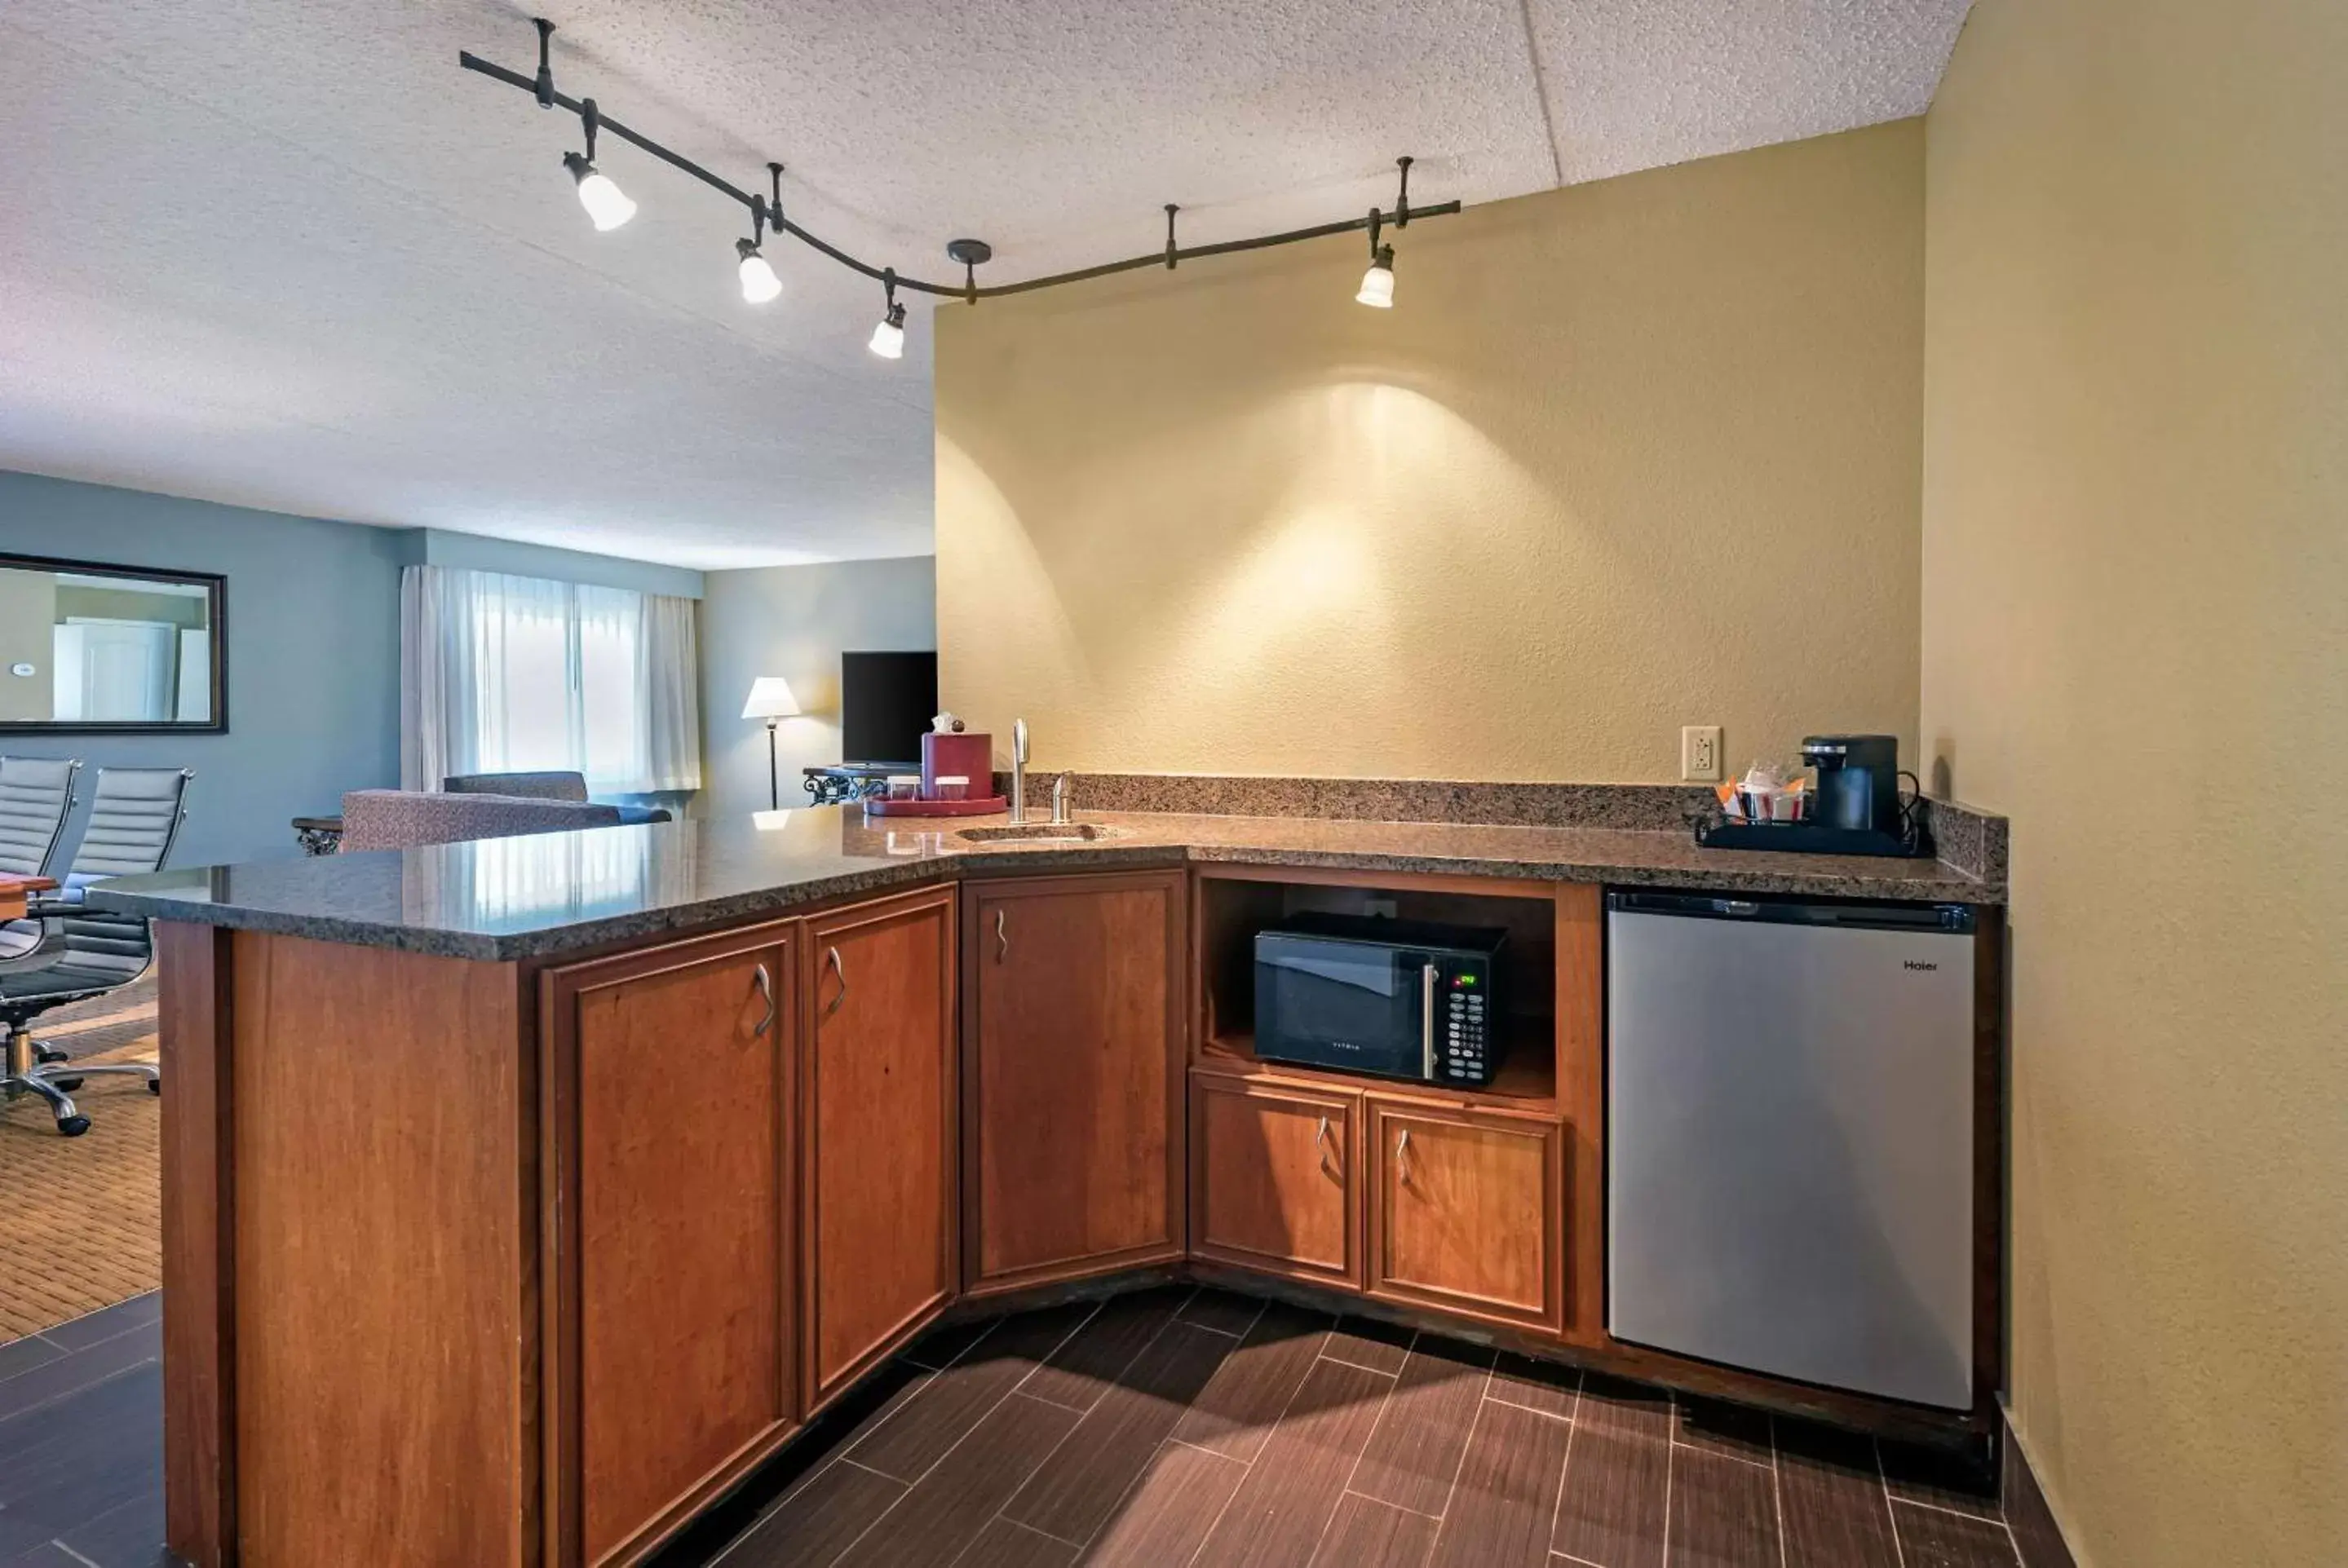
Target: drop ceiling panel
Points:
(1639, 84)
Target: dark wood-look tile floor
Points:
(1167, 1427)
(1162, 1428)
(81, 1442)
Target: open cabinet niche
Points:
(1232, 904)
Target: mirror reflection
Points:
(90, 645)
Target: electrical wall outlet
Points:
(1700, 753)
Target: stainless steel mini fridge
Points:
(1790, 1138)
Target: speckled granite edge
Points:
(1834, 880)
(1815, 876)
(596, 931)
(591, 931)
(1654, 808)
(1972, 841)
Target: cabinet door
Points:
(1467, 1211)
(1072, 1041)
(1271, 1178)
(879, 1256)
(673, 1365)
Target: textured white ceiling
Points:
(284, 253)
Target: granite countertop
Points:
(505, 898)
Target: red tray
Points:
(879, 806)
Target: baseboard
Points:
(2036, 1536)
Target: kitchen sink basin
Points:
(1036, 830)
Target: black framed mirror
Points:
(91, 648)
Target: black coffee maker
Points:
(1858, 781)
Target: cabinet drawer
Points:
(1467, 1211)
(1271, 1178)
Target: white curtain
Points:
(508, 674)
(671, 668)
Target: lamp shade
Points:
(770, 698)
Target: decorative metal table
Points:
(844, 782)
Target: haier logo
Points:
(1919, 965)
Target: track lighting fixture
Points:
(605, 203)
(889, 336)
(610, 208)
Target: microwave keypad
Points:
(1464, 1055)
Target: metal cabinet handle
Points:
(766, 990)
(1320, 1142)
(831, 956)
(1402, 1158)
(1002, 934)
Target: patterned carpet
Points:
(84, 1227)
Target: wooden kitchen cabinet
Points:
(669, 1082)
(1073, 1047)
(1271, 1178)
(1466, 1211)
(879, 1087)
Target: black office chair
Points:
(36, 795)
(78, 953)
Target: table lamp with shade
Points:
(771, 699)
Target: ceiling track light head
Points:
(1378, 283)
(759, 281)
(889, 335)
(543, 86)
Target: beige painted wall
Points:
(2135, 644)
(28, 616)
(1635, 455)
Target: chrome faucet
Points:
(1019, 770)
(1060, 798)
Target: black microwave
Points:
(1393, 999)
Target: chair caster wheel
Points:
(47, 1056)
(70, 1085)
(73, 1126)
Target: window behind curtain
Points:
(517, 674)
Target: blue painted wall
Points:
(312, 654)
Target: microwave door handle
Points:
(1427, 1020)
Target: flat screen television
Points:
(886, 702)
